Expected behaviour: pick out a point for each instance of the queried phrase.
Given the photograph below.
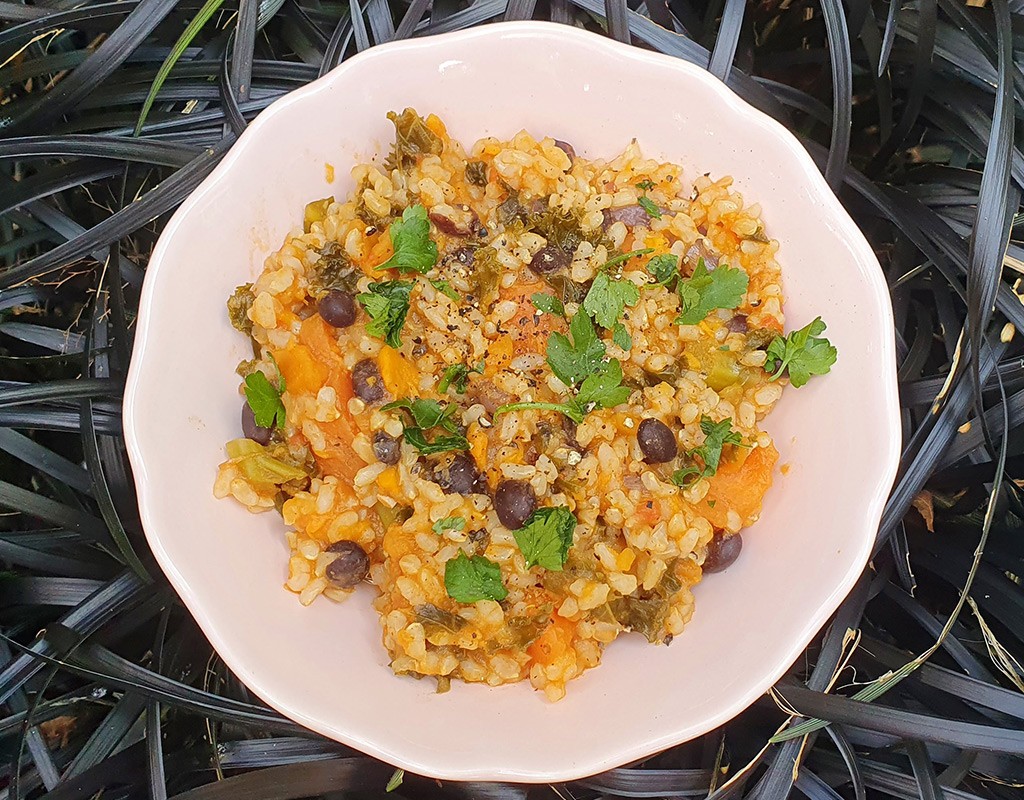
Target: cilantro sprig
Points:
(470, 579)
(428, 414)
(801, 354)
(621, 336)
(548, 304)
(546, 536)
(573, 359)
(645, 202)
(265, 399)
(448, 524)
(704, 291)
(414, 250)
(716, 436)
(387, 304)
(608, 298)
(664, 269)
(601, 389)
(456, 376)
(445, 288)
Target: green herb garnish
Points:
(575, 359)
(716, 436)
(645, 185)
(456, 376)
(602, 389)
(664, 268)
(802, 354)
(265, 399)
(608, 297)
(427, 414)
(621, 258)
(445, 288)
(546, 536)
(468, 580)
(621, 336)
(440, 444)
(704, 291)
(548, 303)
(387, 304)
(415, 251)
(648, 205)
(449, 524)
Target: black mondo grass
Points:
(111, 113)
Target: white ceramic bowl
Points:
(324, 666)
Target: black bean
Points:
(366, 381)
(250, 430)
(550, 259)
(460, 476)
(386, 447)
(349, 567)
(568, 149)
(657, 441)
(514, 501)
(738, 324)
(337, 308)
(722, 551)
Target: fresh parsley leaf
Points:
(426, 414)
(621, 336)
(468, 580)
(574, 360)
(449, 524)
(548, 303)
(265, 400)
(395, 780)
(440, 444)
(445, 288)
(803, 354)
(645, 185)
(608, 297)
(602, 389)
(387, 304)
(546, 536)
(716, 436)
(648, 205)
(704, 291)
(664, 268)
(621, 258)
(569, 409)
(415, 251)
(456, 376)
(686, 476)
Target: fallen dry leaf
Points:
(925, 505)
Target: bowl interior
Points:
(324, 666)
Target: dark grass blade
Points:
(165, 154)
(842, 90)
(996, 204)
(940, 239)
(107, 57)
(728, 37)
(85, 619)
(615, 15)
(242, 52)
(158, 201)
(905, 724)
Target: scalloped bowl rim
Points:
(499, 768)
